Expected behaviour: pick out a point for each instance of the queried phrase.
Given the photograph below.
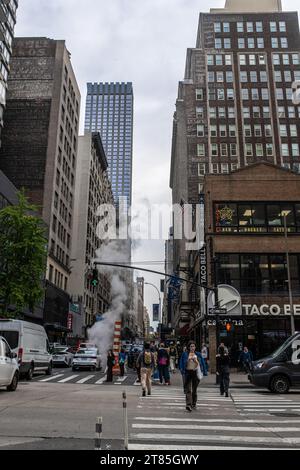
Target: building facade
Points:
(39, 153)
(146, 323)
(92, 189)
(235, 107)
(8, 9)
(109, 110)
(248, 249)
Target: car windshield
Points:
(281, 349)
(12, 337)
(59, 350)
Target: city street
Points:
(61, 414)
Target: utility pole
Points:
(289, 276)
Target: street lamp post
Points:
(289, 276)
(159, 312)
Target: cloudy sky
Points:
(143, 41)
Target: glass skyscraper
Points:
(109, 110)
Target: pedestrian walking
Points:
(204, 354)
(173, 357)
(223, 370)
(163, 361)
(192, 366)
(122, 360)
(180, 368)
(246, 359)
(111, 360)
(147, 362)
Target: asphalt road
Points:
(61, 414)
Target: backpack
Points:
(147, 358)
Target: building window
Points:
(260, 43)
(200, 150)
(227, 43)
(259, 26)
(257, 130)
(261, 274)
(295, 150)
(199, 94)
(50, 273)
(259, 150)
(217, 27)
(282, 26)
(219, 59)
(242, 59)
(214, 150)
(274, 42)
(273, 26)
(240, 27)
(201, 169)
(233, 150)
(200, 130)
(248, 150)
(268, 130)
(269, 150)
(224, 168)
(232, 130)
(247, 130)
(241, 43)
(249, 27)
(223, 150)
(228, 59)
(218, 43)
(284, 43)
(251, 43)
(276, 59)
(226, 27)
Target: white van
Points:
(30, 342)
(9, 370)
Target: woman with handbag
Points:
(110, 364)
(192, 367)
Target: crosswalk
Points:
(254, 402)
(96, 379)
(162, 423)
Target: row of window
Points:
(255, 94)
(224, 130)
(256, 112)
(58, 279)
(251, 43)
(266, 217)
(222, 112)
(253, 59)
(216, 168)
(218, 149)
(250, 27)
(220, 94)
(252, 273)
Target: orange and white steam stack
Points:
(117, 345)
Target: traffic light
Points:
(228, 326)
(94, 280)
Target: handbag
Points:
(199, 372)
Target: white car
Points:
(87, 358)
(9, 369)
(30, 342)
(62, 356)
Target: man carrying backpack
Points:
(146, 362)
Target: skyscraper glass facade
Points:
(109, 110)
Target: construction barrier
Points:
(117, 346)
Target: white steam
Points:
(102, 332)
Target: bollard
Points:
(125, 421)
(98, 434)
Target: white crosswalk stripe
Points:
(85, 379)
(219, 429)
(53, 377)
(67, 379)
(264, 403)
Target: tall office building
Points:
(235, 104)
(8, 10)
(109, 110)
(39, 153)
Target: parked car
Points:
(281, 370)
(133, 354)
(86, 345)
(9, 369)
(30, 342)
(87, 358)
(62, 356)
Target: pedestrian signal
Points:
(94, 281)
(228, 326)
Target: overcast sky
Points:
(142, 41)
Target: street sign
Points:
(217, 311)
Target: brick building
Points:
(234, 107)
(39, 152)
(246, 248)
